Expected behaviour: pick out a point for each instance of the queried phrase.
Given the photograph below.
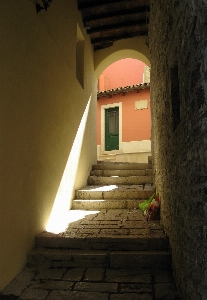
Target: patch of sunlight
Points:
(104, 188)
(60, 212)
(114, 176)
(76, 215)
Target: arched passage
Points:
(129, 48)
(132, 140)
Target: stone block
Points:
(52, 273)
(131, 296)
(20, 282)
(88, 259)
(135, 288)
(166, 291)
(103, 287)
(76, 295)
(52, 284)
(74, 274)
(34, 294)
(140, 259)
(94, 274)
(128, 275)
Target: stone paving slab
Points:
(94, 274)
(92, 283)
(132, 296)
(104, 287)
(75, 295)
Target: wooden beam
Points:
(118, 25)
(127, 31)
(118, 19)
(113, 9)
(87, 4)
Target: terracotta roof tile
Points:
(124, 89)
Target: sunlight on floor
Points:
(60, 215)
(76, 215)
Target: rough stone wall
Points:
(178, 49)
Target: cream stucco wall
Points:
(41, 105)
(128, 48)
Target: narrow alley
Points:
(69, 234)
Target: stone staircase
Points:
(115, 185)
(108, 252)
(117, 230)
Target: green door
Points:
(112, 129)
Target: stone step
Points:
(122, 173)
(107, 229)
(105, 204)
(121, 166)
(115, 192)
(110, 242)
(118, 180)
(68, 258)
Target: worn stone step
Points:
(105, 204)
(108, 241)
(118, 180)
(121, 166)
(122, 173)
(115, 192)
(141, 259)
(97, 258)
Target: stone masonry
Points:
(178, 49)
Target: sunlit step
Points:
(105, 204)
(115, 192)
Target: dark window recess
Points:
(175, 96)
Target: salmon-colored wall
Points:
(124, 72)
(136, 124)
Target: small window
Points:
(175, 97)
(80, 57)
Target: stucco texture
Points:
(41, 106)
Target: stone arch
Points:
(129, 48)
